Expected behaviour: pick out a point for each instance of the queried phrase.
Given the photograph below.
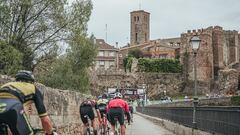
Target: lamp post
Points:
(195, 42)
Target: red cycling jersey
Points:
(118, 103)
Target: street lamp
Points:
(145, 95)
(195, 42)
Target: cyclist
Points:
(131, 112)
(116, 108)
(15, 95)
(87, 108)
(102, 104)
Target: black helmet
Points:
(104, 95)
(24, 75)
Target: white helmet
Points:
(117, 95)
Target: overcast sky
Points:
(168, 18)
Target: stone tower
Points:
(140, 29)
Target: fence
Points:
(220, 120)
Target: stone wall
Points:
(62, 106)
(156, 83)
(228, 81)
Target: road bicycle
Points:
(89, 127)
(117, 127)
(104, 130)
(40, 131)
(4, 130)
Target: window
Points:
(100, 53)
(135, 19)
(136, 36)
(111, 54)
(163, 56)
(138, 18)
(101, 63)
(111, 63)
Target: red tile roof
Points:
(103, 45)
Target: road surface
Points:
(142, 126)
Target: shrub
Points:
(159, 65)
(235, 100)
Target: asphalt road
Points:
(142, 126)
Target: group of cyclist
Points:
(115, 108)
(14, 96)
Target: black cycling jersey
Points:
(26, 93)
(89, 103)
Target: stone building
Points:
(160, 48)
(140, 28)
(107, 55)
(140, 38)
(219, 50)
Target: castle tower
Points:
(140, 29)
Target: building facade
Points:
(160, 48)
(140, 27)
(107, 57)
(219, 49)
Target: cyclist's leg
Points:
(111, 116)
(121, 120)
(91, 115)
(102, 124)
(83, 112)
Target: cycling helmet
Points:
(24, 75)
(104, 96)
(118, 95)
(99, 97)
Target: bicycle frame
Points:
(89, 127)
(117, 127)
(4, 130)
(104, 126)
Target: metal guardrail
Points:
(220, 120)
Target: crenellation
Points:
(218, 28)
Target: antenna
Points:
(106, 32)
(139, 4)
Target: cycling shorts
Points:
(102, 109)
(12, 114)
(86, 110)
(116, 113)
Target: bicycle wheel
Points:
(102, 130)
(88, 131)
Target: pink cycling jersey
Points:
(118, 103)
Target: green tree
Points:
(136, 53)
(10, 59)
(70, 70)
(36, 27)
